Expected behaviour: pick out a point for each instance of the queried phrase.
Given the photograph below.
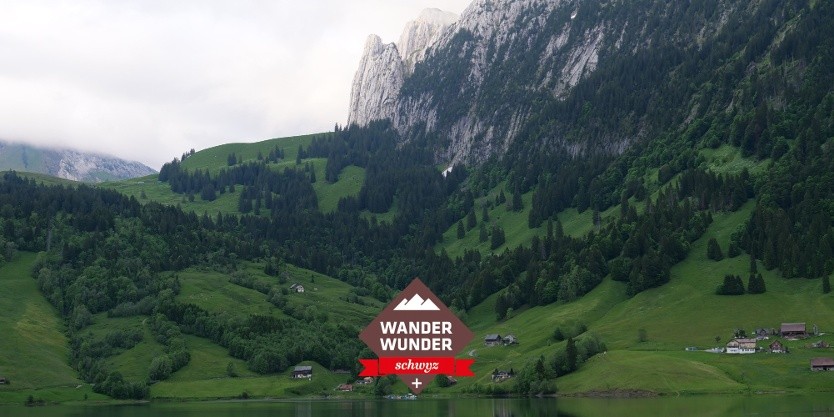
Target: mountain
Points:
(582, 77)
(643, 179)
(69, 164)
(384, 66)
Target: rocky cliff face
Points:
(377, 83)
(421, 34)
(482, 81)
(69, 164)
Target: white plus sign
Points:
(416, 383)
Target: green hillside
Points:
(34, 348)
(686, 312)
(216, 158)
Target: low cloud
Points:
(147, 80)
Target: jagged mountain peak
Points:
(422, 33)
(384, 66)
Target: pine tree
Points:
(732, 285)
(484, 213)
(571, 355)
(461, 230)
(501, 199)
(756, 284)
(753, 267)
(483, 235)
(471, 220)
(714, 250)
(517, 205)
(826, 285)
(497, 237)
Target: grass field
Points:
(350, 182)
(214, 159)
(279, 385)
(33, 344)
(33, 348)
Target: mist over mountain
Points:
(69, 164)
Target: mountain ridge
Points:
(69, 164)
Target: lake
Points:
(816, 405)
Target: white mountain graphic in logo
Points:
(416, 303)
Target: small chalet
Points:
(741, 346)
(821, 344)
(822, 364)
(762, 334)
(793, 330)
(777, 347)
(345, 388)
(492, 340)
(302, 371)
(452, 380)
(363, 381)
(297, 287)
(3, 380)
(498, 376)
(510, 340)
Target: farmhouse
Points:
(492, 340)
(793, 330)
(297, 287)
(741, 346)
(510, 340)
(3, 380)
(303, 371)
(499, 376)
(777, 347)
(822, 364)
(363, 381)
(762, 334)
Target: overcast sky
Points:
(149, 79)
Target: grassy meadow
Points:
(33, 348)
(214, 159)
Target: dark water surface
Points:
(816, 405)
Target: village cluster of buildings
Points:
(788, 331)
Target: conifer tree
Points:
(497, 237)
(756, 284)
(471, 220)
(571, 354)
(714, 250)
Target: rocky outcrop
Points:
(69, 164)
(377, 83)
